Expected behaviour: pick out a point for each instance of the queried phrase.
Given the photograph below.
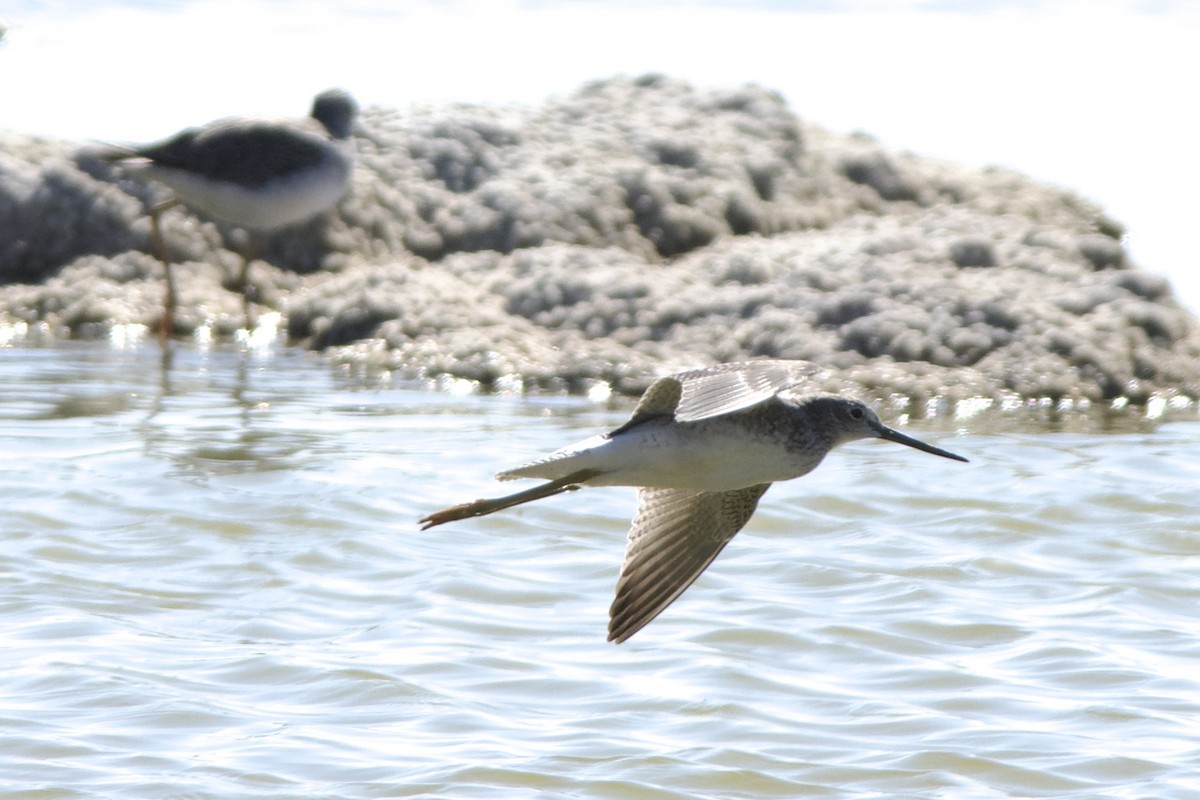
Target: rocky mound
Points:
(636, 227)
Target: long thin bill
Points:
(896, 436)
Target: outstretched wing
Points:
(725, 388)
(722, 389)
(675, 535)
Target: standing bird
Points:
(258, 174)
(701, 447)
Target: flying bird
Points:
(702, 447)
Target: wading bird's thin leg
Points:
(243, 286)
(166, 324)
(478, 508)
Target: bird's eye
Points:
(857, 413)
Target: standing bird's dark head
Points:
(335, 109)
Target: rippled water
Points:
(212, 585)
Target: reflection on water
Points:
(212, 585)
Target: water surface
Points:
(212, 585)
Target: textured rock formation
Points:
(634, 227)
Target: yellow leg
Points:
(477, 508)
(243, 283)
(166, 324)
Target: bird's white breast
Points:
(275, 205)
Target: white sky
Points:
(1099, 97)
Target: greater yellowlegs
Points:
(702, 447)
(258, 174)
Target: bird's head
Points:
(855, 420)
(335, 109)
